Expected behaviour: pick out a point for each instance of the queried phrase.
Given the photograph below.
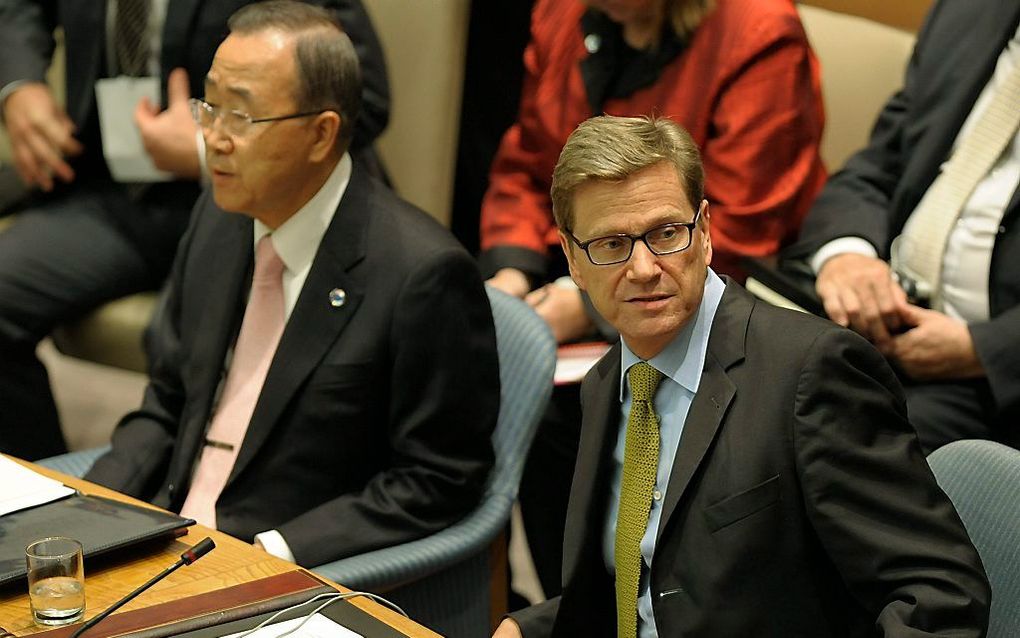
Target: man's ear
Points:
(706, 237)
(568, 251)
(326, 129)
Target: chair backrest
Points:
(425, 44)
(983, 480)
(453, 580)
(527, 359)
(862, 65)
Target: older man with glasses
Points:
(743, 470)
(324, 377)
(88, 233)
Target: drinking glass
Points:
(56, 580)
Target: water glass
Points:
(56, 580)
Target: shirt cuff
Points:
(856, 245)
(274, 544)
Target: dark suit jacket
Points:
(191, 34)
(799, 503)
(373, 426)
(874, 194)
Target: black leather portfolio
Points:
(790, 278)
(100, 524)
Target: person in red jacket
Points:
(738, 74)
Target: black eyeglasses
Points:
(235, 123)
(616, 249)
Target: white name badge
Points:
(122, 143)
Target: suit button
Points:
(657, 495)
(1002, 230)
(170, 489)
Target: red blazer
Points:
(746, 88)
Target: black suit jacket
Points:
(373, 426)
(799, 503)
(191, 34)
(874, 194)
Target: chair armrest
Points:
(393, 566)
(75, 464)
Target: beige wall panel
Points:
(425, 43)
(862, 65)
(902, 14)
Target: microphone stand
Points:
(187, 558)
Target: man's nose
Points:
(643, 264)
(216, 141)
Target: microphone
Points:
(188, 557)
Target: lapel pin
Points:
(337, 297)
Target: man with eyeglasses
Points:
(743, 470)
(324, 377)
(83, 238)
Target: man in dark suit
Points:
(743, 470)
(369, 423)
(86, 239)
(955, 340)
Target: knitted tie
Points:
(256, 343)
(131, 41)
(640, 465)
(923, 242)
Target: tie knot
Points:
(644, 379)
(268, 265)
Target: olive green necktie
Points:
(640, 465)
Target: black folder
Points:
(101, 525)
(790, 278)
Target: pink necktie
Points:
(256, 343)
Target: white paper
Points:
(318, 626)
(125, 155)
(573, 361)
(21, 488)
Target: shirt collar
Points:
(684, 358)
(297, 240)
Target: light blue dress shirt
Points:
(681, 363)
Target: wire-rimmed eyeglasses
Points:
(660, 240)
(234, 122)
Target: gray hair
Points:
(329, 76)
(614, 148)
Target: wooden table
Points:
(233, 562)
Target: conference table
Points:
(234, 566)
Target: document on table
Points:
(318, 626)
(22, 488)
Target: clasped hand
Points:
(859, 292)
(561, 307)
(42, 134)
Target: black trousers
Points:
(943, 412)
(59, 259)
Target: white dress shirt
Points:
(968, 256)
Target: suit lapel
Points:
(715, 393)
(223, 284)
(314, 324)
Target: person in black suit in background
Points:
(743, 470)
(88, 239)
(960, 357)
(368, 423)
